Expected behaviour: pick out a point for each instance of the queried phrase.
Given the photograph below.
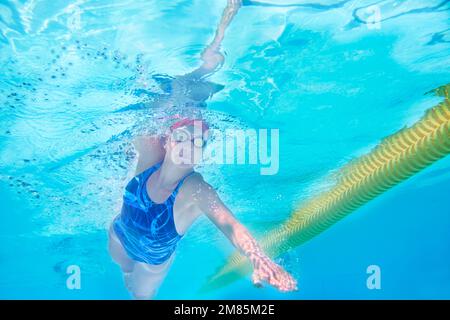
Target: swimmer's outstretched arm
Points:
(264, 269)
(211, 56)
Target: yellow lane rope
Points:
(394, 160)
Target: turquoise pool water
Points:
(329, 79)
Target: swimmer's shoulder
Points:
(150, 150)
(144, 144)
(192, 190)
(193, 182)
(196, 188)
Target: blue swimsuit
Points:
(147, 229)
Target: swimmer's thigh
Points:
(118, 253)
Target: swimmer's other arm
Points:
(264, 269)
(212, 57)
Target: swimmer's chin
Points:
(186, 164)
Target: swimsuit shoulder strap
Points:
(147, 172)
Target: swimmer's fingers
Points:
(264, 273)
(235, 3)
(287, 282)
(265, 270)
(280, 279)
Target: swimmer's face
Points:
(185, 145)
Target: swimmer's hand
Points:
(234, 4)
(266, 270)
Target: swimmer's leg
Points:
(146, 279)
(119, 255)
